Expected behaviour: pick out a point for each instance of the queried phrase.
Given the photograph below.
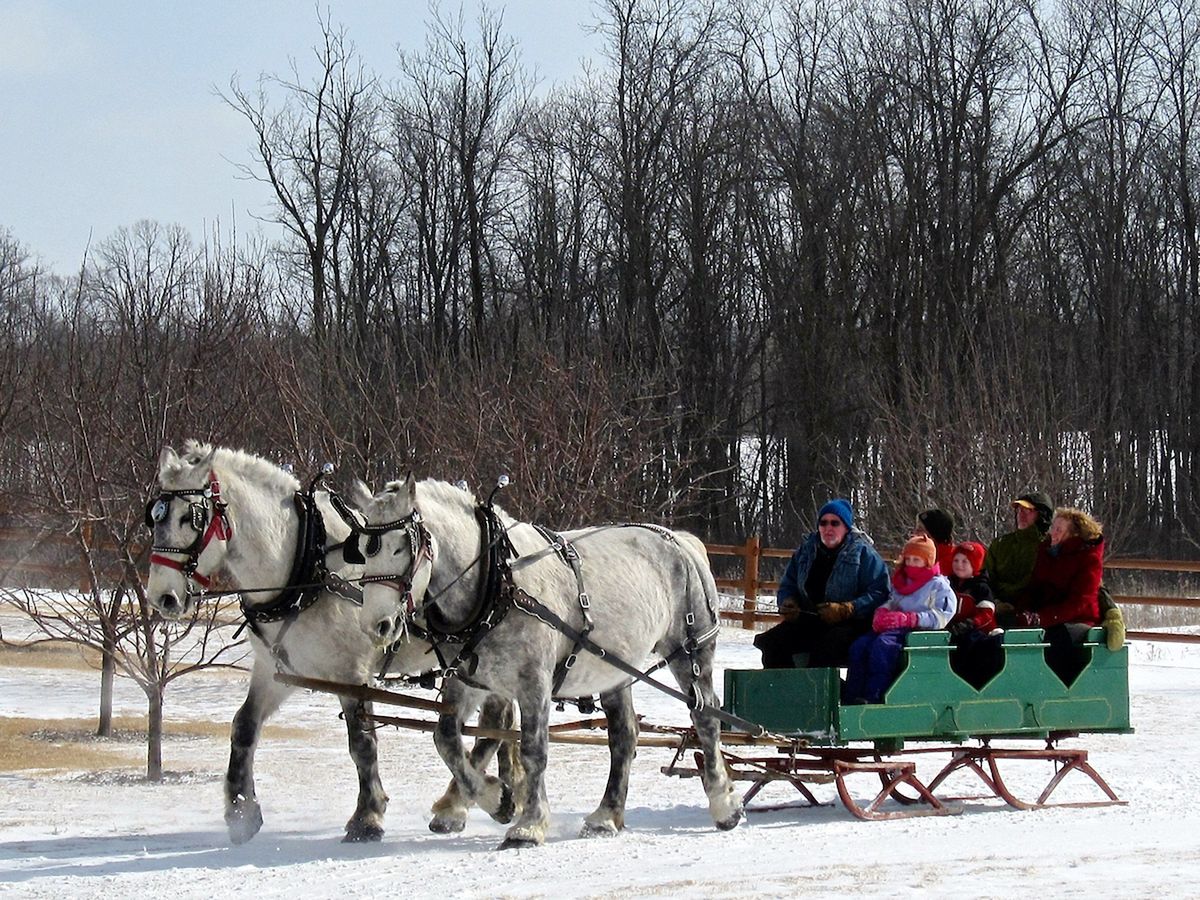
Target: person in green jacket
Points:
(1010, 557)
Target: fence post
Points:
(750, 585)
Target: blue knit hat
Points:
(841, 509)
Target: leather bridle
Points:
(420, 545)
(208, 519)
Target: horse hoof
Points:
(363, 834)
(440, 825)
(590, 830)
(507, 809)
(517, 843)
(243, 822)
(730, 823)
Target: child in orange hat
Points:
(920, 598)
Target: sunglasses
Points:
(830, 523)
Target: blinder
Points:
(158, 508)
(156, 511)
(353, 554)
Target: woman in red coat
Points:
(1063, 592)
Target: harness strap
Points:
(540, 611)
(570, 556)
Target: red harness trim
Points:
(157, 559)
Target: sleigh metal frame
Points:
(848, 769)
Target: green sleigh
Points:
(816, 739)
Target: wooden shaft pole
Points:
(363, 692)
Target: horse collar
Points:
(493, 595)
(307, 578)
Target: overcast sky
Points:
(109, 112)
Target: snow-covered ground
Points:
(84, 834)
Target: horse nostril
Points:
(168, 603)
(383, 627)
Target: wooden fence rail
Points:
(751, 587)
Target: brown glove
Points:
(833, 613)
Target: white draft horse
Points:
(631, 590)
(230, 511)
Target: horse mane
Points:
(439, 493)
(249, 466)
(447, 494)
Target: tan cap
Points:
(1023, 503)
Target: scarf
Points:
(906, 580)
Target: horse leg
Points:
(530, 829)
(367, 822)
(508, 753)
(450, 810)
(469, 785)
(243, 815)
(609, 817)
(723, 802)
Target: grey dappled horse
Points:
(641, 589)
(230, 511)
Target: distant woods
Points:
(758, 254)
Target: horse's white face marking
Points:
(167, 588)
(386, 603)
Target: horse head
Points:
(190, 526)
(398, 553)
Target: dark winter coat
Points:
(859, 574)
(1065, 584)
(976, 605)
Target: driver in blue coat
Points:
(833, 584)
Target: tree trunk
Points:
(154, 733)
(108, 670)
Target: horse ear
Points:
(167, 459)
(360, 494)
(412, 488)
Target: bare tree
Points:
(306, 151)
(138, 347)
